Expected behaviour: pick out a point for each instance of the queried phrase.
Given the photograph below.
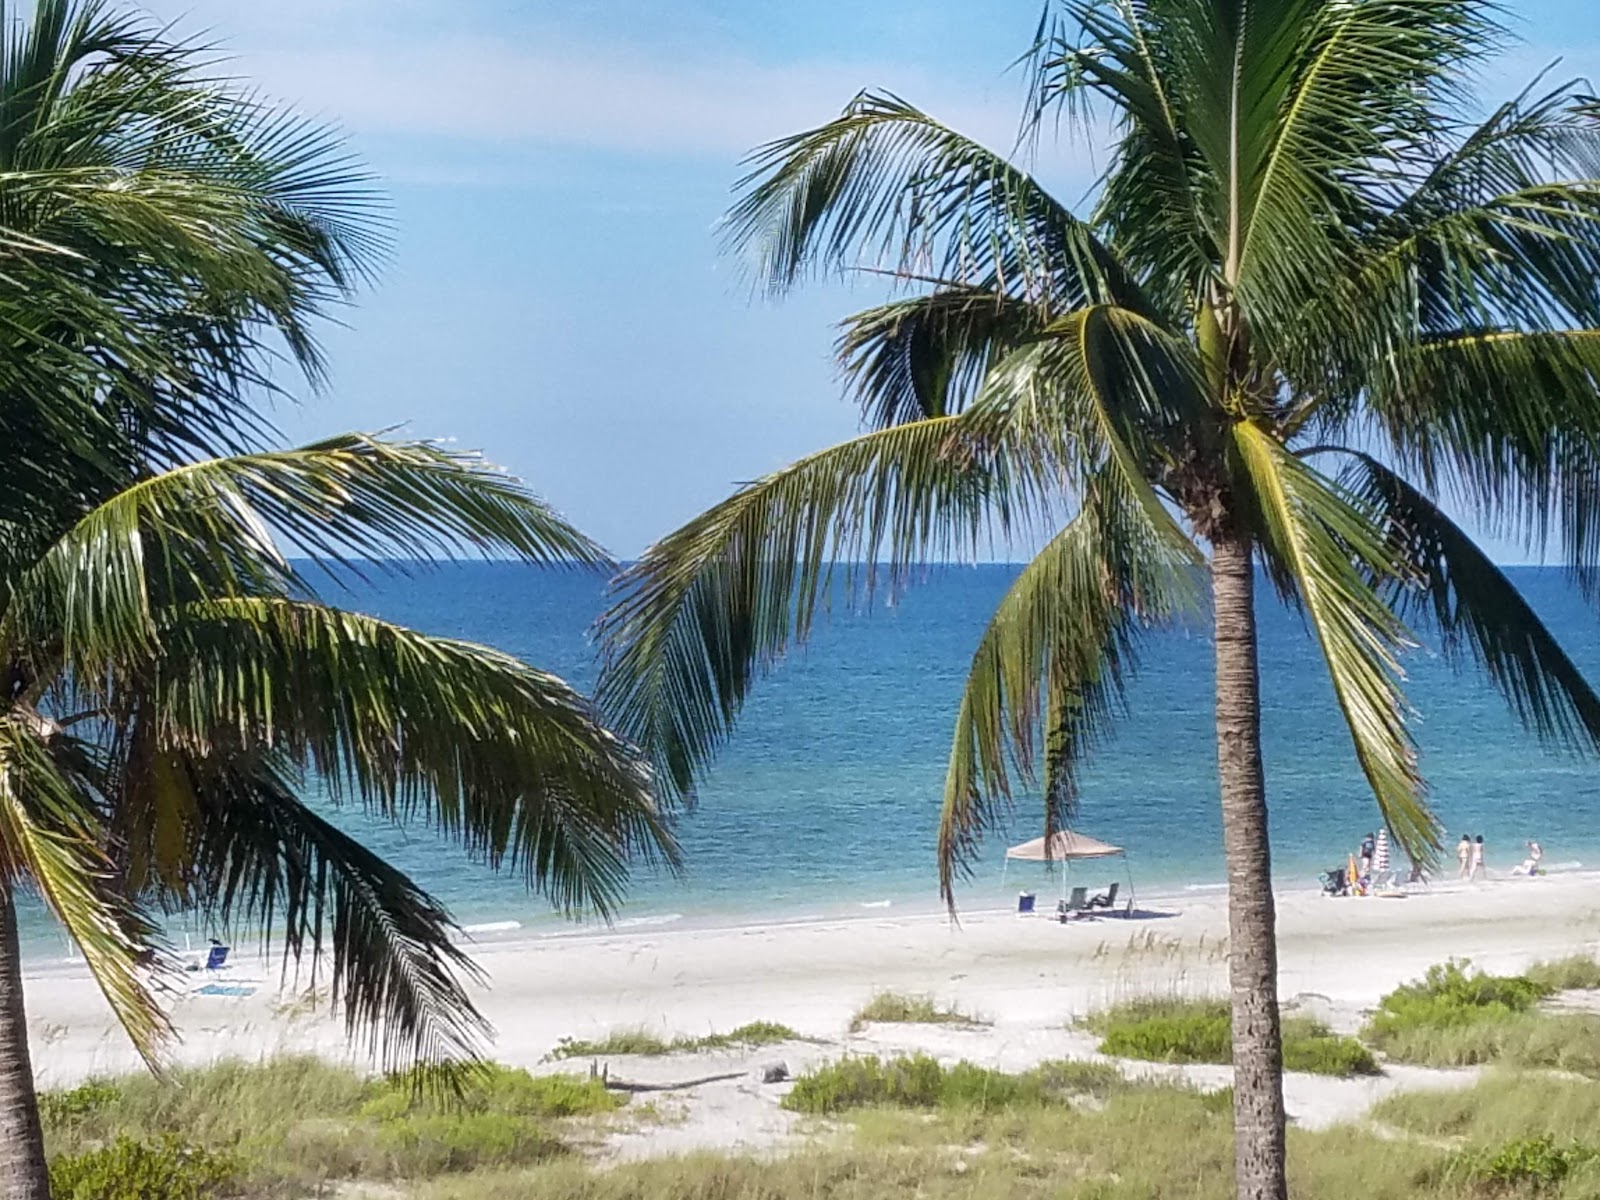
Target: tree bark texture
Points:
(23, 1175)
(1258, 1115)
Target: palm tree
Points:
(170, 679)
(1314, 297)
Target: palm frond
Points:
(1330, 550)
(720, 600)
(1478, 611)
(50, 838)
(507, 760)
(1154, 199)
(927, 356)
(1334, 85)
(1054, 659)
(207, 528)
(885, 185)
(262, 861)
(1512, 420)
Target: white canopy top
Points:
(1063, 844)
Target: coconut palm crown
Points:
(171, 684)
(1318, 295)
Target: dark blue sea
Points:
(827, 799)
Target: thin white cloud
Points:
(405, 70)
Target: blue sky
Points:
(557, 170)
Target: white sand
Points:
(1029, 976)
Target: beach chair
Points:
(1075, 905)
(217, 957)
(1107, 898)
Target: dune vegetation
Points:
(296, 1127)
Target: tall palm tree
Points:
(169, 680)
(171, 684)
(1315, 295)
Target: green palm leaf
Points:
(207, 527)
(1330, 549)
(50, 838)
(1479, 612)
(927, 356)
(507, 760)
(887, 185)
(261, 859)
(1054, 658)
(720, 600)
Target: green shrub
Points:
(428, 1143)
(66, 1108)
(133, 1170)
(914, 1082)
(918, 1081)
(1528, 1163)
(1451, 997)
(494, 1089)
(1577, 972)
(1173, 1031)
(1201, 1031)
(893, 1007)
(1311, 1047)
(755, 1033)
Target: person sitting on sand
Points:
(1464, 856)
(1530, 865)
(1479, 871)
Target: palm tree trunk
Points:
(1258, 1116)
(23, 1175)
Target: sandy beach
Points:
(1030, 977)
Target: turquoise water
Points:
(828, 797)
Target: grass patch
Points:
(918, 1081)
(1456, 1017)
(896, 1007)
(127, 1169)
(1504, 1106)
(1526, 1166)
(1077, 1131)
(645, 1043)
(294, 1125)
(1201, 1031)
(1575, 973)
(1141, 1142)
(1451, 996)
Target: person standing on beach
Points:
(1368, 848)
(1478, 871)
(1464, 856)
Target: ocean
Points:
(826, 801)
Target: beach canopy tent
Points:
(1064, 846)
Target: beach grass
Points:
(918, 1081)
(1187, 1030)
(1138, 1142)
(294, 1125)
(1576, 972)
(648, 1044)
(1457, 1017)
(898, 1007)
(1503, 1106)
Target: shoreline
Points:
(1024, 973)
(498, 928)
